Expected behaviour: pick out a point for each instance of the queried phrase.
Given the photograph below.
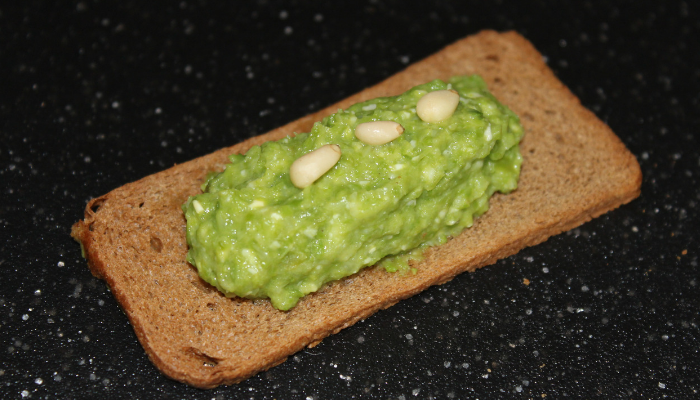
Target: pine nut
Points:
(306, 169)
(437, 106)
(378, 132)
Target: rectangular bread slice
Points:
(574, 169)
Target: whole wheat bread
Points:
(574, 169)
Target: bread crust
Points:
(574, 169)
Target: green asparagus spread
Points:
(253, 234)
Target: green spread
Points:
(253, 234)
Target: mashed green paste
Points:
(253, 234)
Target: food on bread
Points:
(256, 233)
(574, 169)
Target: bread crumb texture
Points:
(574, 169)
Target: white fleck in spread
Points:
(487, 134)
(397, 167)
(197, 206)
(310, 232)
(430, 174)
(257, 204)
(250, 257)
(369, 107)
(276, 216)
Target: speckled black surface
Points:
(95, 94)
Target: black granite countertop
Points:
(95, 94)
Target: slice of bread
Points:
(574, 169)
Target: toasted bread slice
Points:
(574, 169)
